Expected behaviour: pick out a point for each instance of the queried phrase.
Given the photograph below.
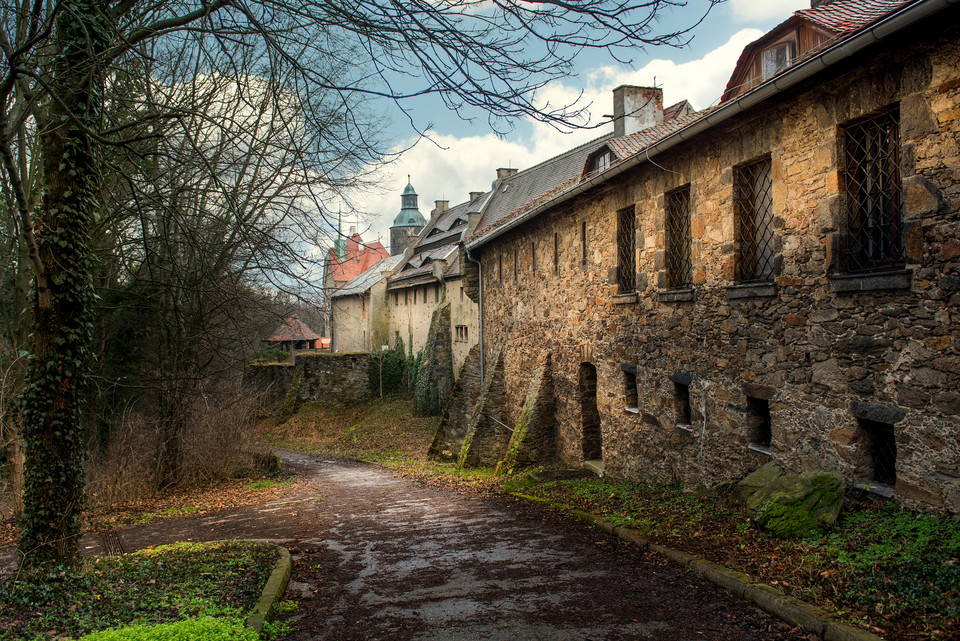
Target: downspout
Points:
(480, 296)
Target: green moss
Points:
(788, 521)
(509, 461)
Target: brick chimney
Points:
(476, 194)
(503, 172)
(636, 109)
(440, 206)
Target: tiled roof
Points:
(359, 257)
(845, 16)
(531, 184)
(674, 111)
(626, 146)
(293, 329)
(841, 17)
(366, 280)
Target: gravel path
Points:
(378, 556)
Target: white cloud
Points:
(461, 165)
(760, 10)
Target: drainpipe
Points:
(480, 288)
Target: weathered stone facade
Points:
(682, 374)
(333, 379)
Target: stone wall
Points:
(333, 379)
(464, 313)
(830, 360)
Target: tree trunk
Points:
(52, 402)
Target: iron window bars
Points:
(678, 251)
(753, 205)
(626, 251)
(871, 172)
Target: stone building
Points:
(360, 316)
(294, 336)
(774, 278)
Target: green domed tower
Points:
(408, 222)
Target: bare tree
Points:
(64, 124)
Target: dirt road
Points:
(382, 557)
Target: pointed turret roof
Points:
(409, 215)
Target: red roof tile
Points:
(844, 16)
(358, 258)
(293, 329)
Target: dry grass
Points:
(366, 431)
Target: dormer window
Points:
(458, 221)
(434, 231)
(778, 57)
(600, 161)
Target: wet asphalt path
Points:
(378, 556)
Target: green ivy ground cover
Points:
(214, 585)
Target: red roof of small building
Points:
(358, 258)
(293, 329)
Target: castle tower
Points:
(408, 222)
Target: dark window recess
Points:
(414, 296)
(500, 268)
(583, 243)
(533, 256)
(626, 251)
(881, 448)
(681, 398)
(679, 265)
(753, 207)
(590, 414)
(758, 421)
(436, 293)
(871, 178)
(630, 390)
(556, 253)
(461, 333)
(514, 265)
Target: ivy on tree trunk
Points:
(58, 372)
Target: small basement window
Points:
(681, 398)
(758, 424)
(881, 451)
(630, 391)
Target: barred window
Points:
(678, 260)
(753, 208)
(626, 251)
(871, 177)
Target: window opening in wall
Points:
(436, 293)
(414, 295)
(406, 297)
(583, 243)
(679, 266)
(514, 265)
(626, 250)
(630, 391)
(533, 256)
(556, 253)
(881, 452)
(871, 178)
(500, 267)
(396, 338)
(396, 299)
(461, 292)
(758, 424)
(589, 414)
(461, 334)
(778, 57)
(681, 399)
(753, 215)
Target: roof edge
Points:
(885, 27)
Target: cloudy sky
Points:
(462, 157)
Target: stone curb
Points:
(789, 609)
(272, 591)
